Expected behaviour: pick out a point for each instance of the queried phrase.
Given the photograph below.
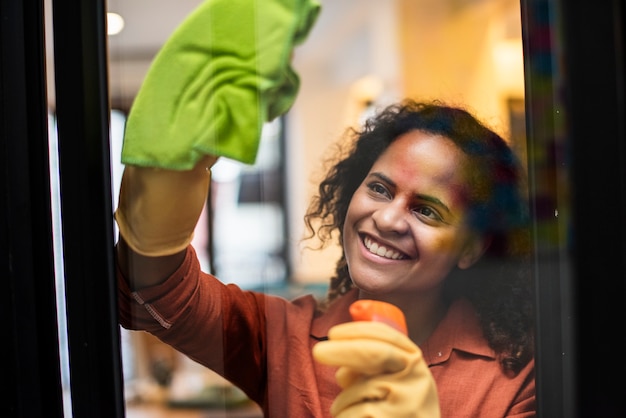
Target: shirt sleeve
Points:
(258, 342)
(186, 312)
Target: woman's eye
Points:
(378, 189)
(427, 212)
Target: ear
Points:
(473, 250)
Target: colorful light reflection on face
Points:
(405, 228)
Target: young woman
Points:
(428, 205)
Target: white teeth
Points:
(380, 250)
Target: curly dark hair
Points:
(500, 285)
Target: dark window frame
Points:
(576, 120)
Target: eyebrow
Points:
(427, 198)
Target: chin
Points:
(369, 287)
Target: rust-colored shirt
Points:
(263, 344)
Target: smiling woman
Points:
(426, 211)
(426, 207)
(446, 193)
(425, 196)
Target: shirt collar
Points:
(459, 330)
(337, 313)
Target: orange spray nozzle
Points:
(376, 310)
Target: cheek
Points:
(351, 217)
(356, 207)
(446, 245)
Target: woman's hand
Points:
(157, 214)
(381, 371)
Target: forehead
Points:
(421, 164)
(418, 155)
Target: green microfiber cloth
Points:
(223, 73)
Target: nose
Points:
(392, 217)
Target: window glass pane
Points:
(359, 57)
(248, 239)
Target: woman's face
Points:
(405, 228)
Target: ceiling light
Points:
(115, 23)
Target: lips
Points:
(382, 250)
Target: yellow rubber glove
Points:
(381, 371)
(158, 209)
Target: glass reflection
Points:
(356, 61)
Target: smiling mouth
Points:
(382, 251)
